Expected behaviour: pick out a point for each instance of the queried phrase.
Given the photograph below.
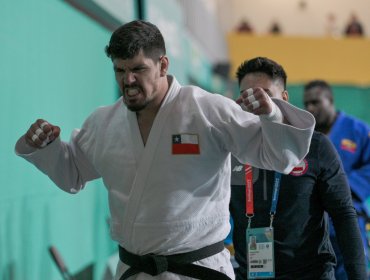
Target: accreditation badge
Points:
(260, 249)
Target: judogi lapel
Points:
(144, 156)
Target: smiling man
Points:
(163, 152)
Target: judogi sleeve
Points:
(262, 143)
(64, 163)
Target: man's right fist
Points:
(41, 133)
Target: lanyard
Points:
(249, 194)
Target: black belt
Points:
(179, 264)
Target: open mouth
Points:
(132, 92)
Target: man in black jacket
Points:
(313, 190)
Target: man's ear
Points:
(285, 95)
(164, 65)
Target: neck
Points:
(145, 117)
(145, 122)
(325, 128)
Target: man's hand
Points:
(255, 101)
(41, 133)
(258, 102)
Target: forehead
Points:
(139, 59)
(315, 93)
(259, 80)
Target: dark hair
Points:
(327, 90)
(318, 83)
(262, 65)
(129, 39)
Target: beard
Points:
(133, 105)
(136, 107)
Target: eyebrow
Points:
(265, 89)
(140, 65)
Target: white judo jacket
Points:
(172, 195)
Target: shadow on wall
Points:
(9, 272)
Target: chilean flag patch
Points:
(185, 144)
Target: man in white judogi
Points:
(163, 152)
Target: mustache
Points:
(131, 86)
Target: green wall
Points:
(52, 66)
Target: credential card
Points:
(260, 253)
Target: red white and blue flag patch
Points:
(185, 144)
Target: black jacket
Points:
(302, 246)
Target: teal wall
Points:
(52, 66)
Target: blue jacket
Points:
(351, 138)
